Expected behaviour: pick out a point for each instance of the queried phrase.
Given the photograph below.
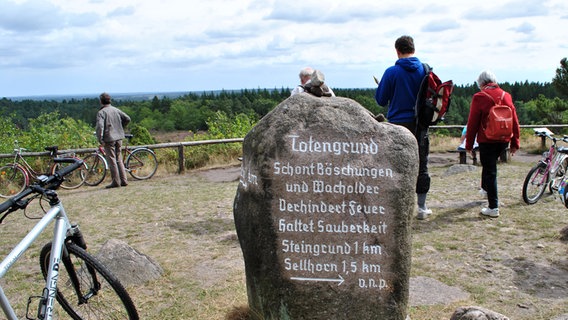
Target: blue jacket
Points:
(398, 89)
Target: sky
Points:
(63, 47)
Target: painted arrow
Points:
(340, 280)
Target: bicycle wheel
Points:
(535, 184)
(141, 163)
(96, 169)
(86, 289)
(73, 180)
(13, 180)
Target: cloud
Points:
(440, 25)
(525, 28)
(357, 12)
(27, 16)
(41, 17)
(328, 12)
(231, 34)
(149, 42)
(299, 14)
(512, 9)
(122, 11)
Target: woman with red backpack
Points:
(493, 118)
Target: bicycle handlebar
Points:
(76, 163)
(51, 182)
(549, 136)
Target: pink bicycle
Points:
(548, 172)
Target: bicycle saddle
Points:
(563, 150)
(52, 148)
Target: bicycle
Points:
(16, 176)
(549, 171)
(83, 287)
(140, 162)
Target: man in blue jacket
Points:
(398, 90)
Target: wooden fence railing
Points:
(542, 139)
(180, 145)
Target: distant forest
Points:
(537, 103)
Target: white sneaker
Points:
(423, 213)
(492, 213)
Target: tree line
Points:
(536, 103)
(229, 114)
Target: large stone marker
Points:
(323, 212)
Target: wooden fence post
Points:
(181, 159)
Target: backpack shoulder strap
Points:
(500, 97)
(420, 97)
(490, 96)
(423, 84)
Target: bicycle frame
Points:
(19, 160)
(101, 151)
(551, 162)
(125, 152)
(125, 155)
(547, 161)
(61, 229)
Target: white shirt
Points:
(300, 89)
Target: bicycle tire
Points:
(73, 180)
(109, 301)
(533, 188)
(96, 169)
(141, 163)
(13, 180)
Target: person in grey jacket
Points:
(110, 132)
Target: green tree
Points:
(8, 134)
(458, 111)
(221, 126)
(141, 135)
(263, 106)
(560, 81)
(156, 103)
(547, 110)
(49, 129)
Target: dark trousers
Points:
(423, 182)
(489, 155)
(115, 164)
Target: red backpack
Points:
(433, 99)
(499, 124)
